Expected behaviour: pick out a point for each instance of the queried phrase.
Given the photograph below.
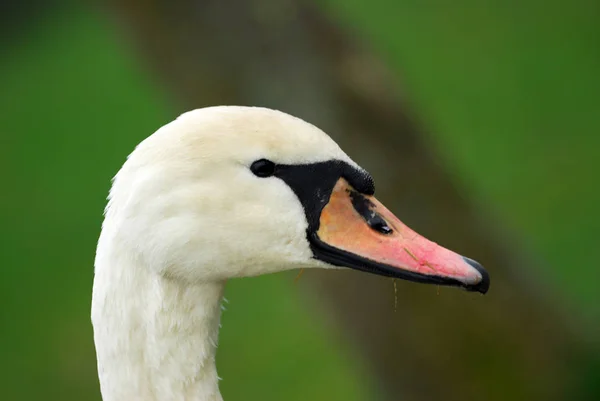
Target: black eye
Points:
(263, 168)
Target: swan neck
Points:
(155, 337)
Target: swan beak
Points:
(357, 231)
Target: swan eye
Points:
(263, 168)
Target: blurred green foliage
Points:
(510, 91)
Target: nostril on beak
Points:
(379, 224)
(484, 284)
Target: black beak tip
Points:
(484, 285)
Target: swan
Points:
(224, 192)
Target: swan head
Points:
(233, 191)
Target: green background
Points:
(511, 97)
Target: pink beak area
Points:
(357, 231)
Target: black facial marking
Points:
(313, 184)
(364, 207)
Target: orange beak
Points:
(357, 231)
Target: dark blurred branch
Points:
(288, 56)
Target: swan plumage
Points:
(187, 211)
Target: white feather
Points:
(185, 214)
